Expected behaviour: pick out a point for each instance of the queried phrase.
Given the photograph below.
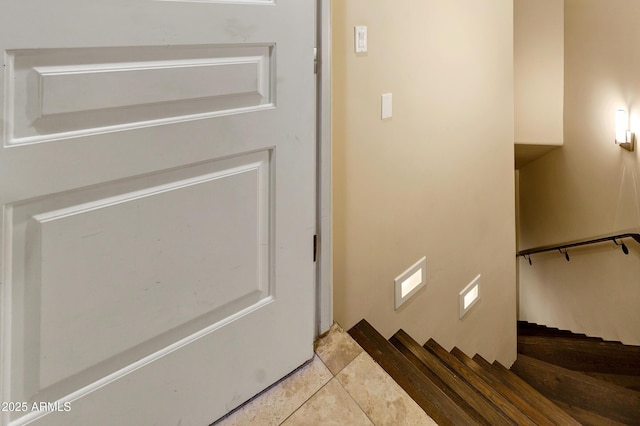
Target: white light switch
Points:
(360, 37)
(387, 106)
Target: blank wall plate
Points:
(469, 296)
(410, 281)
(387, 106)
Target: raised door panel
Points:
(127, 253)
(60, 93)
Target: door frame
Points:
(324, 265)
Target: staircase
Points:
(597, 382)
(457, 390)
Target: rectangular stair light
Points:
(469, 296)
(410, 282)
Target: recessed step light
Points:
(410, 281)
(469, 296)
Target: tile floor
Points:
(342, 385)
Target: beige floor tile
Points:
(381, 398)
(337, 349)
(276, 404)
(332, 405)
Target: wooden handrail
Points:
(565, 246)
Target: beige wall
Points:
(437, 179)
(538, 71)
(590, 186)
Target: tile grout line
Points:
(314, 394)
(335, 376)
(353, 399)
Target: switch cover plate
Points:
(360, 38)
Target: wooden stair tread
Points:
(426, 394)
(580, 355)
(441, 383)
(629, 382)
(488, 413)
(579, 390)
(479, 384)
(585, 417)
(523, 405)
(519, 386)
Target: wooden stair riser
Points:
(527, 329)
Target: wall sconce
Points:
(624, 137)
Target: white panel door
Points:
(157, 181)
